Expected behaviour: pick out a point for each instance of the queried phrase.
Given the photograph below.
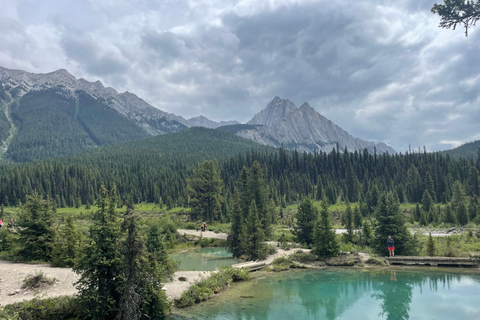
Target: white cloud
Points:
(382, 71)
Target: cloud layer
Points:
(382, 70)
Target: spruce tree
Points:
(348, 235)
(37, 235)
(431, 248)
(357, 218)
(234, 239)
(390, 222)
(449, 216)
(100, 267)
(68, 245)
(325, 240)
(253, 236)
(306, 216)
(205, 189)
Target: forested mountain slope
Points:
(470, 150)
(54, 114)
(144, 169)
(156, 169)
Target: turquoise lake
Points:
(337, 293)
(204, 259)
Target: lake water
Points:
(387, 293)
(204, 259)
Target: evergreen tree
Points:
(100, 267)
(306, 216)
(348, 236)
(253, 237)
(367, 233)
(142, 294)
(462, 214)
(427, 201)
(450, 216)
(417, 212)
(431, 250)
(473, 182)
(325, 240)
(68, 245)
(390, 222)
(205, 190)
(234, 239)
(37, 235)
(357, 218)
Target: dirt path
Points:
(12, 275)
(204, 234)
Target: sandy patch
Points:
(12, 275)
(204, 234)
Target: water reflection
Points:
(346, 294)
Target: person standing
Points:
(390, 246)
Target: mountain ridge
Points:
(281, 123)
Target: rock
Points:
(12, 293)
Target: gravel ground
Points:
(12, 275)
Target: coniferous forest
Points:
(155, 170)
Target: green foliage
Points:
(37, 234)
(68, 246)
(458, 12)
(100, 266)
(325, 240)
(431, 249)
(205, 190)
(390, 222)
(348, 236)
(253, 236)
(38, 280)
(306, 217)
(59, 308)
(8, 238)
(202, 290)
(52, 124)
(282, 264)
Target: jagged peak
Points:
(200, 117)
(305, 105)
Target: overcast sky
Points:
(382, 70)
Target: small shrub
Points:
(183, 279)
(375, 261)
(39, 280)
(281, 264)
(202, 290)
(59, 308)
(271, 249)
(303, 257)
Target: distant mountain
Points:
(281, 123)
(201, 121)
(54, 114)
(470, 150)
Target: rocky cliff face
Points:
(304, 129)
(201, 121)
(17, 83)
(276, 111)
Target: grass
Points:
(203, 290)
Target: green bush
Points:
(282, 264)
(303, 257)
(58, 308)
(202, 290)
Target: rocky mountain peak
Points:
(277, 110)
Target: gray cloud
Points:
(383, 71)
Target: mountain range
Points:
(55, 114)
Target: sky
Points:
(381, 69)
